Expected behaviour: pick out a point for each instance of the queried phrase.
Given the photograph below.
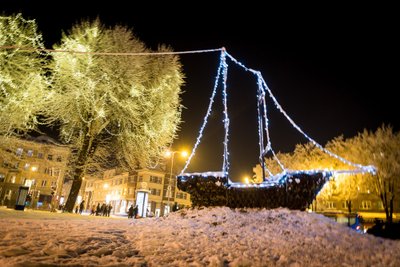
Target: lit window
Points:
(29, 153)
(155, 179)
(44, 182)
(26, 167)
(330, 205)
(19, 152)
(181, 195)
(366, 204)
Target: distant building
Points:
(41, 163)
(119, 190)
(38, 163)
(369, 206)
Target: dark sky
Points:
(332, 68)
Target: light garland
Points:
(269, 144)
(223, 67)
(273, 180)
(31, 49)
(225, 166)
(205, 120)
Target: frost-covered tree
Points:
(23, 84)
(381, 149)
(345, 187)
(114, 110)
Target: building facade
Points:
(368, 205)
(39, 164)
(120, 190)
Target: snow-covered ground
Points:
(206, 237)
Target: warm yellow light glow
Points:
(246, 180)
(105, 186)
(167, 153)
(34, 168)
(28, 182)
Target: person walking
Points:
(81, 206)
(98, 209)
(135, 212)
(130, 212)
(109, 208)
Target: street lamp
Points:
(33, 182)
(171, 154)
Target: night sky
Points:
(332, 68)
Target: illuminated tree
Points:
(114, 110)
(23, 86)
(343, 186)
(381, 149)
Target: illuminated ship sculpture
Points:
(291, 189)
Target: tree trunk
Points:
(73, 194)
(385, 204)
(390, 217)
(85, 153)
(348, 202)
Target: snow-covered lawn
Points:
(206, 237)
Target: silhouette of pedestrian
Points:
(81, 206)
(130, 212)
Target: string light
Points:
(273, 180)
(205, 120)
(225, 166)
(31, 49)
(263, 88)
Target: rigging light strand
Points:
(30, 49)
(205, 120)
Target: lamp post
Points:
(33, 182)
(171, 154)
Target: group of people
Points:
(79, 209)
(103, 210)
(133, 212)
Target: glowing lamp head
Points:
(184, 154)
(168, 154)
